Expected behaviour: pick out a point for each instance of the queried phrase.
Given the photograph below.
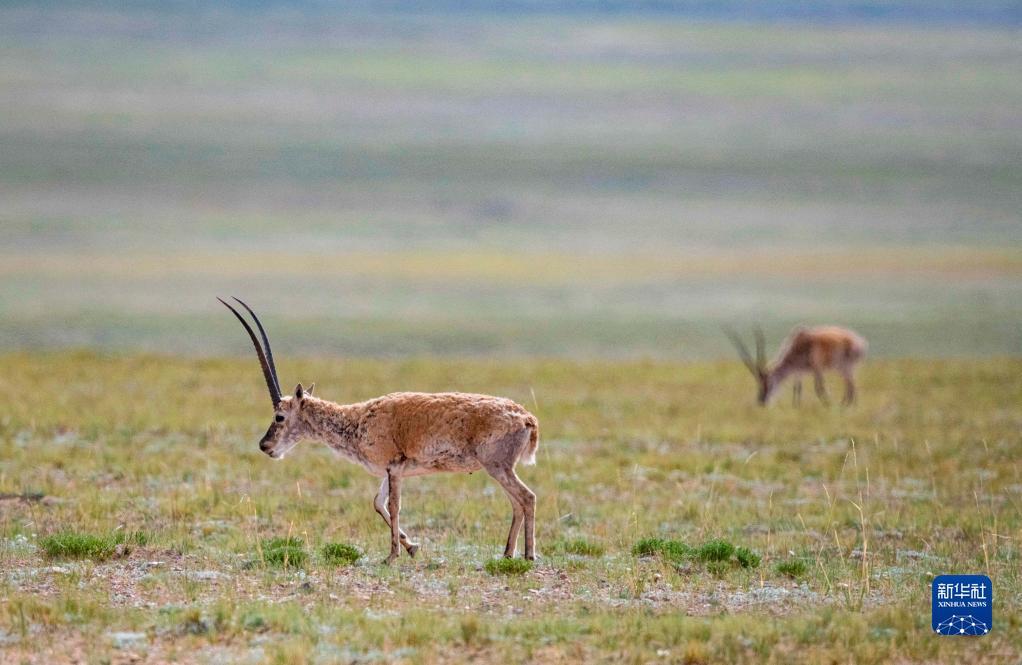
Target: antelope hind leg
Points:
(499, 458)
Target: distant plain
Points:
(505, 185)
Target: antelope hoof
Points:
(413, 549)
(389, 560)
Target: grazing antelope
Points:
(409, 434)
(805, 351)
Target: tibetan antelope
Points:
(409, 434)
(805, 351)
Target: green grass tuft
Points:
(78, 545)
(672, 550)
(747, 558)
(717, 554)
(793, 568)
(285, 552)
(583, 547)
(715, 550)
(508, 566)
(339, 554)
(75, 545)
(647, 546)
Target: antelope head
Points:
(287, 428)
(764, 379)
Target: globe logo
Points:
(962, 625)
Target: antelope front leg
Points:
(821, 388)
(849, 397)
(380, 504)
(394, 504)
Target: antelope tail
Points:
(529, 456)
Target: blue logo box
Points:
(962, 605)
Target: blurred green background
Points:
(584, 184)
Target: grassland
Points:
(560, 209)
(851, 512)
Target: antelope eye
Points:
(279, 418)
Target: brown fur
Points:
(410, 434)
(420, 428)
(812, 350)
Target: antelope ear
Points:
(311, 388)
(299, 392)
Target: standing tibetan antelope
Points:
(805, 351)
(409, 434)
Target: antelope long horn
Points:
(271, 383)
(743, 352)
(760, 348)
(266, 344)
